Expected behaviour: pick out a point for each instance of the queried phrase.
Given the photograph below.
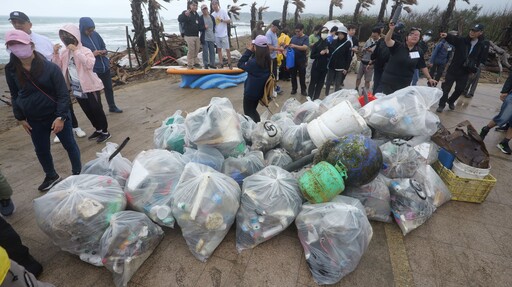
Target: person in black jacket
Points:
(190, 20)
(320, 55)
(256, 62)
(466, 60)
(339, 61)
(473, 79)
(207, 38)
(503, 117)
(40, 102)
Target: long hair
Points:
(36, 70)
(262, 55)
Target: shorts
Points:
(222, 42)
(368, 74)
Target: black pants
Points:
(284, 74)
(11, 242)
(274, 67)
(336, 77)
(389, 88)
(94, 111)
(377, 75)
(300, 70)
(250, 109)
(316, 83)
(74, 121)
(106, 79)
(436, 71)
(460, 83)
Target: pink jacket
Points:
(84, 60)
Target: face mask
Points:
(335, 37)
(426, 38)
(324, 36)
(22, 51)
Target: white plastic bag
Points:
(270, 202)
(243, 166)
(153, 180)
(205, 205)
(290, 106)
(247, 125)
(334, 236)
(337, 97)
(296, 141)
(266, 136)
(127, 243)
(283, 120)
(171, 134)
(278, 157)
(375, 198)
(306, 112)
(76, 212)
(400, 160)
(437, 191)
(119, 167)
(206, 155)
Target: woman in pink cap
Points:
(256, 62)
(40, 101)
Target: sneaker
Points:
(468, 95)
(56, 139)
(293, 92)
(7, 207)
(504, 148)
(440, 109)
(49, 182)
(213, 67)
(79, 132)
(503, 128)
(484, 131)
(103, 137)
(115, 110)
(304, 93)
(451, 106)
(205, 67)
(94, 135)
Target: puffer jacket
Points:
(94, 42)
(256, 78)
(84, 60)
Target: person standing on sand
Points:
(207, 38)
(221, 32)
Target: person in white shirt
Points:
(221, 32)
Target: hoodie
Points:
(94, 42)
(84, 60)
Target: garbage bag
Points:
(400, 160)
(76, 212)
(266, 136)
(127, 243)
(337, 97)
(409, 204)
(119, 167)
(334, 236)
(247, 125)
(426, 148)
(205, 206)
(243, 166)
(270, 202)
(437, 191)
(283, 120)
(290, 106)
(278, 157)
(171, 134)
(206, 155)
(296, 141)
(406, 112)
(306, 112)
(217, 126)
(375, 198)
(153, 180)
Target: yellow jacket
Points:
(5, 264)
(283, 40)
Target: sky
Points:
(121, 8)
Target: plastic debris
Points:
(375, 198)
(119, 167)
(241, 167)
(171, 135)
(278, 157)
(400, 160)
(206, 155)
(266, 136)
(296, 141)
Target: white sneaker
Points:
(79, 132)
(56, 139)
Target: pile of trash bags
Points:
(118, 167)
(171, 135)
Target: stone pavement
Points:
(463, 244)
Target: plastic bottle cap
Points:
(163, 212)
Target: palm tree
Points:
(448, 14)
(383, 4)
(253, 16)
(260, 12)
(299, 8)
(337, 3)
(285, 13)
(361, 4)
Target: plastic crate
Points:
(465, 189)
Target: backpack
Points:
(269, 89)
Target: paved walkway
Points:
(463, 244)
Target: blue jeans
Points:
(41, 139)
(106, 79)
(208, 53)
(415, 77)
(505, 115)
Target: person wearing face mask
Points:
(40, 102)
(404, 58)
(320, 57)
(423, 45)
(339, 60)
(77, 63)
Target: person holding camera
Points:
(466, 60)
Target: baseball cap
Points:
(19, 16)
(342, 29)
(478, 27)
(18, 36)
(277, 23)
(203, 6)
(260, 41)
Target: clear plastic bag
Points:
(375, 198)
(206, 155)
(278, 157)
(400, 160)
(404, 113)
(306, 112)
(410, 204)
(153, 180)
(76, 212)
(290, 106)
(437, 191)
(283, 120)
(119, 167)
(337, 97)
(205, 205)
(171, 135)
(426, 148)
(334, 236)
(296, 141)
(247, 125)
(217, 126)
(241, 167)
(266, 136)
(127, 243)
(270, 202)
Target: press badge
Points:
(414, 55)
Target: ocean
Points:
(111, 30)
